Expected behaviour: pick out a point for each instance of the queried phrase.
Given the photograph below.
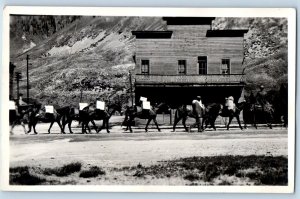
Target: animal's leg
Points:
(184, 123)
(107, 126)
(69, 125)
(254, 120)
(155, 121)
(239, 122)
(148, 122)
(50, 127)
(34, 125)
(60, 126)
(63, 123)
(83, 130)
(230, 119)
(200, 129)
(23, 125)
(213, 123)
(29, 127)
(100, 128)
(176, 120)
(197, 123)
(87, 126)
(94, 125)
(11, 128)
(129, 124)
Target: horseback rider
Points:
(263, 105)
(229, 104)
(198, 111)
(261, 97)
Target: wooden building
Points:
(187, 60)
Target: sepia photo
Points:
(148, 99)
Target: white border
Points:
(289, 13)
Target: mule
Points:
(253, 110)
(37, 114)
(137, 112)
(18, 116)
(69, 114)
(233, 113)
(183, 112)
(90, 113)
(265, 112)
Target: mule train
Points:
(205, 115)
(34, 113)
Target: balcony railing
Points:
(189, 79)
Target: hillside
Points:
(91, 54)
(85, 57)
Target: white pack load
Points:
(76, 111)
(83, 105)
(12, 105)
(143, 99)
(49, 109)
(100, 105)
(146, 105)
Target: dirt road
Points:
(120, 148)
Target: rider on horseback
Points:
(229, 104)
(263, 105)
(198, 111)
(261, 97)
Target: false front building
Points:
(188, 60)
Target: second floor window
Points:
(182, 67)
(225, 66)
(145, 67)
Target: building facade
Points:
(187, 60)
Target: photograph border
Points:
(288, 13)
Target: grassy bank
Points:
(216, 170)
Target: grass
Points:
(92, 172)
(192, 171)
(271, 170)
(64, 170)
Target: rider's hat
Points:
(230, 98)
(199, 97)
(262, 86)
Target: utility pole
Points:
(131, 92)
(27, 59)
(18, 77)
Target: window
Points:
(182, 67)
(202, 65)
(145, 67)
(225, 66)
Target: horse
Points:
(90, 113)
(182, 113)
(68, 115)
(232, 113)
(39, 114)
(17, 116)
(137, 112)
(253, 109)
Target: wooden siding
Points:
(187, 43)
(191, 79)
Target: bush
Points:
(92, 172)
(64, 170)
(192, 177)
(24, 176)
